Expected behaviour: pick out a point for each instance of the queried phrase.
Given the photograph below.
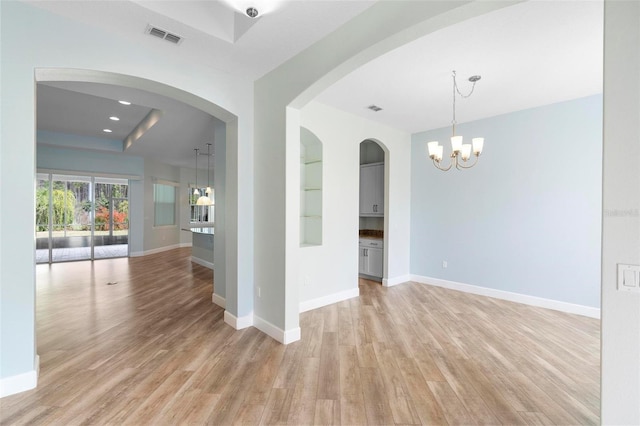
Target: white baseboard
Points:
(390, 282)
(219, 300)
(291, 336)
(238, 322)
(158, 250)
(329, 299)
(20, 382)
(571, 308)
(283, 336)
(202, 262)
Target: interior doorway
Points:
(81, 218)
(371, 258)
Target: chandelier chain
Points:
(455, 85)
(456, 89)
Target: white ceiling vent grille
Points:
(163, 34)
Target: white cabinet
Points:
(372, 189)
(370, 258)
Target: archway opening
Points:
(372, 212)
(225, 169)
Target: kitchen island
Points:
(202, 245)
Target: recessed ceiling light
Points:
(125, 102)
(107, 130)
(114, 118)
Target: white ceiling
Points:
(84, 109)
(206, 27)
(529, 54)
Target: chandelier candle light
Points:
(459, 151)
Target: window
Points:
(201, 213)
(164, 204)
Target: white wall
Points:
(526, 219)
(621, 218)
(33, 39)
(220, 238)
(331, 269)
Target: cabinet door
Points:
(374, 260)
(378, 189)
(372, 190)
(362, 260)
(366, 190)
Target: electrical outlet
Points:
(444, 264)
(259, 295)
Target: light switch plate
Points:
(628, 277)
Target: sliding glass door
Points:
(81, 218)
(43, 216)
(111, 235)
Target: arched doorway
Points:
(226, 273)
(372, 213)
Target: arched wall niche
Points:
(311, 169)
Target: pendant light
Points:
(204, 200)
(195, 190)
(208, 191)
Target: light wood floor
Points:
(153, 349)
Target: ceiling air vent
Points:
(165, 35)
(374, 108)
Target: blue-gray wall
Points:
(88, 161)
(527, 218)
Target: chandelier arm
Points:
(461, 166)
(444, 169)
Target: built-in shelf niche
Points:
(310, 189)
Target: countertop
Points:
(371, 234)
(201, 230)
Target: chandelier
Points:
(460, 153)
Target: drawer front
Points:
(365, 242)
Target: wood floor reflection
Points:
(138, 341)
